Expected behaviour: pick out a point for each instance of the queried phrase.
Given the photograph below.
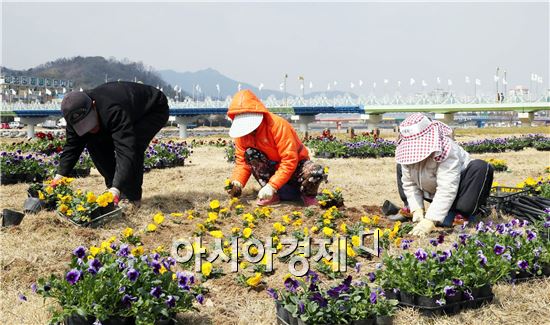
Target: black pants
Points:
(103, 153)
(473, 190)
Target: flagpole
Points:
(505, 84)
(496, 80)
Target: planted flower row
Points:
(466, 270)
(166, 155)
(373, 147)
(118, 280)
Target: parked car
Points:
(16, 125)
(5, 126)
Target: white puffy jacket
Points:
(437, 181)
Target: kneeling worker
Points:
(434, 168)
(267, 147)
(115, 122)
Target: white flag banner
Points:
(424, 84)
(39, 93)
(301, 86)
(239, 87)
(504, 82)
(282, 86)
(449, 82)
(13, 92)
(261, 86)
(81, 90)
(399, 84)
(310, 85)
(533, 77)
(496, 78)
(351, 85)
(176, 88)
(412, 81)
(30, 92)
(335, 83)
(328, 86)
(438, 80)
(386, 81)
(467, 79)
(360, 83)
(540, 79)
(48, 92)
(218, 87)
(65, 90)
(478, 82)
(374, 85)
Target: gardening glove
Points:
(236, 189)
(424, 227)
(266, 193)
(418, 215)
(116, 194)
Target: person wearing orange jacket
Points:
(267, 147)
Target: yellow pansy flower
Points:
(206, 269)
(216, 234)
(247, 232)
(158, 218)
(235, 230)
(328, 231)
(49, 190)
(279, 228)
(255, 280)
(355, 241)
(41, 196)
(151, 227)
(137, 251)
(128, 232)
(94, 250)
(214, 204)
(63, 208)
(176, 214)
(344, 228)
(366, 220)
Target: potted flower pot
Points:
(545, 269)
(522, 274)
(392, 294)
(282, 313)
(424, 301)
(408, 298)
(32, 205)
(368, 321)
(79, 320)
(384, 320)
(485, 291)
(452, 303)
(389, 208)
(11, 218)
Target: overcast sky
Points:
(324, 42)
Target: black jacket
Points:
(120, 105)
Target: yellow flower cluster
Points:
(104, 199)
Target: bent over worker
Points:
(434, 168)
(267, 147)
(115, 122)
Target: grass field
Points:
(42, 243)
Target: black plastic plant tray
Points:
(96, 222)
(504, 193)
(452, 308)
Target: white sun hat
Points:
(245, 123)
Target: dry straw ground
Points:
(42, 243)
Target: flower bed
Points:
(18, 168)
(462, 275)
(374, 147)
(305, 301)
(499, 165)
(117, 281)
(166, 155)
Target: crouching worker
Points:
(115, 121)
(432, 167)
(267, 147)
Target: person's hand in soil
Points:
(236, 189)
(424, 227)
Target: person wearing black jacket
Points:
(115, 122)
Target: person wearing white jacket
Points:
(433, 167)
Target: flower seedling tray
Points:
(95, 222)
(449, 308)
(285, 318)
(501, 196)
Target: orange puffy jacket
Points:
(275, 137)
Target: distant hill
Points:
(89, 72)
(207, 80)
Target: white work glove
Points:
(424, 227)
(116, 194)
(266, 193)
(57, 177)
(418, 215)
(236, 190)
